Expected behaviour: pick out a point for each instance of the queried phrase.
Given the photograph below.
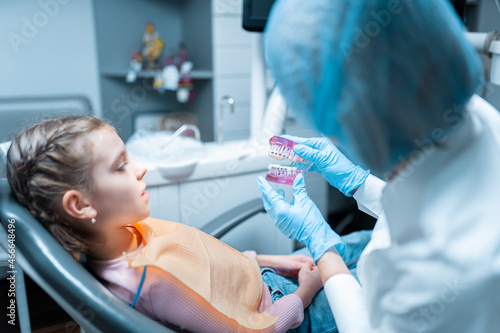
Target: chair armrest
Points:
(221, 225)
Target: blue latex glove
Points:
(301, 219)
(328, 161)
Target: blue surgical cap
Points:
(381, 76)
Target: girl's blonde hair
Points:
(45, 161)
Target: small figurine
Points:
(135, 66)
(153, 46)
(170, 75)
(185, 92)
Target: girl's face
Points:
(118, 195)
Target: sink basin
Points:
(179, 170)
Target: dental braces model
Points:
(282, 174)
(282, 149)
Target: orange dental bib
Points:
(227, 279)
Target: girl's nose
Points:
(141, 171)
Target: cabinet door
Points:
(164, 202)
(202, 201)
(205, 200)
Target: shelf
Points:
(195, 74)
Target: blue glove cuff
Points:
(319, 245)
(318, 252)
(340, 248)
(355, 180)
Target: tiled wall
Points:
(232, 49)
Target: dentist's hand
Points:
(328, 161)
(300, 220)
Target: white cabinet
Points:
(164, 202)
(204, 200)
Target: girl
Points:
(73, 174)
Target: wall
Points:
(232, 49)
(48, 48)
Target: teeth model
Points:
(282, 174)
(282, 148)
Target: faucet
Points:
(220, 119)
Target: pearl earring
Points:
(93, 220)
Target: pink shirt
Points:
(161, 300)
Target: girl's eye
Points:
(122, 167)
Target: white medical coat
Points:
(433, 263)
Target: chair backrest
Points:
(77, 291)
(18, 113)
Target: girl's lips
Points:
(145, 195)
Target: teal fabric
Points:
(382, 77)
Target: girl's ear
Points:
(75, 205)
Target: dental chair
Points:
(68, 283)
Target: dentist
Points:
(393, 83)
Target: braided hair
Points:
(45, 161)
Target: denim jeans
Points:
(318, 317)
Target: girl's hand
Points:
(285, 265)
(309, 283)
(310, 277)
(289, 266)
